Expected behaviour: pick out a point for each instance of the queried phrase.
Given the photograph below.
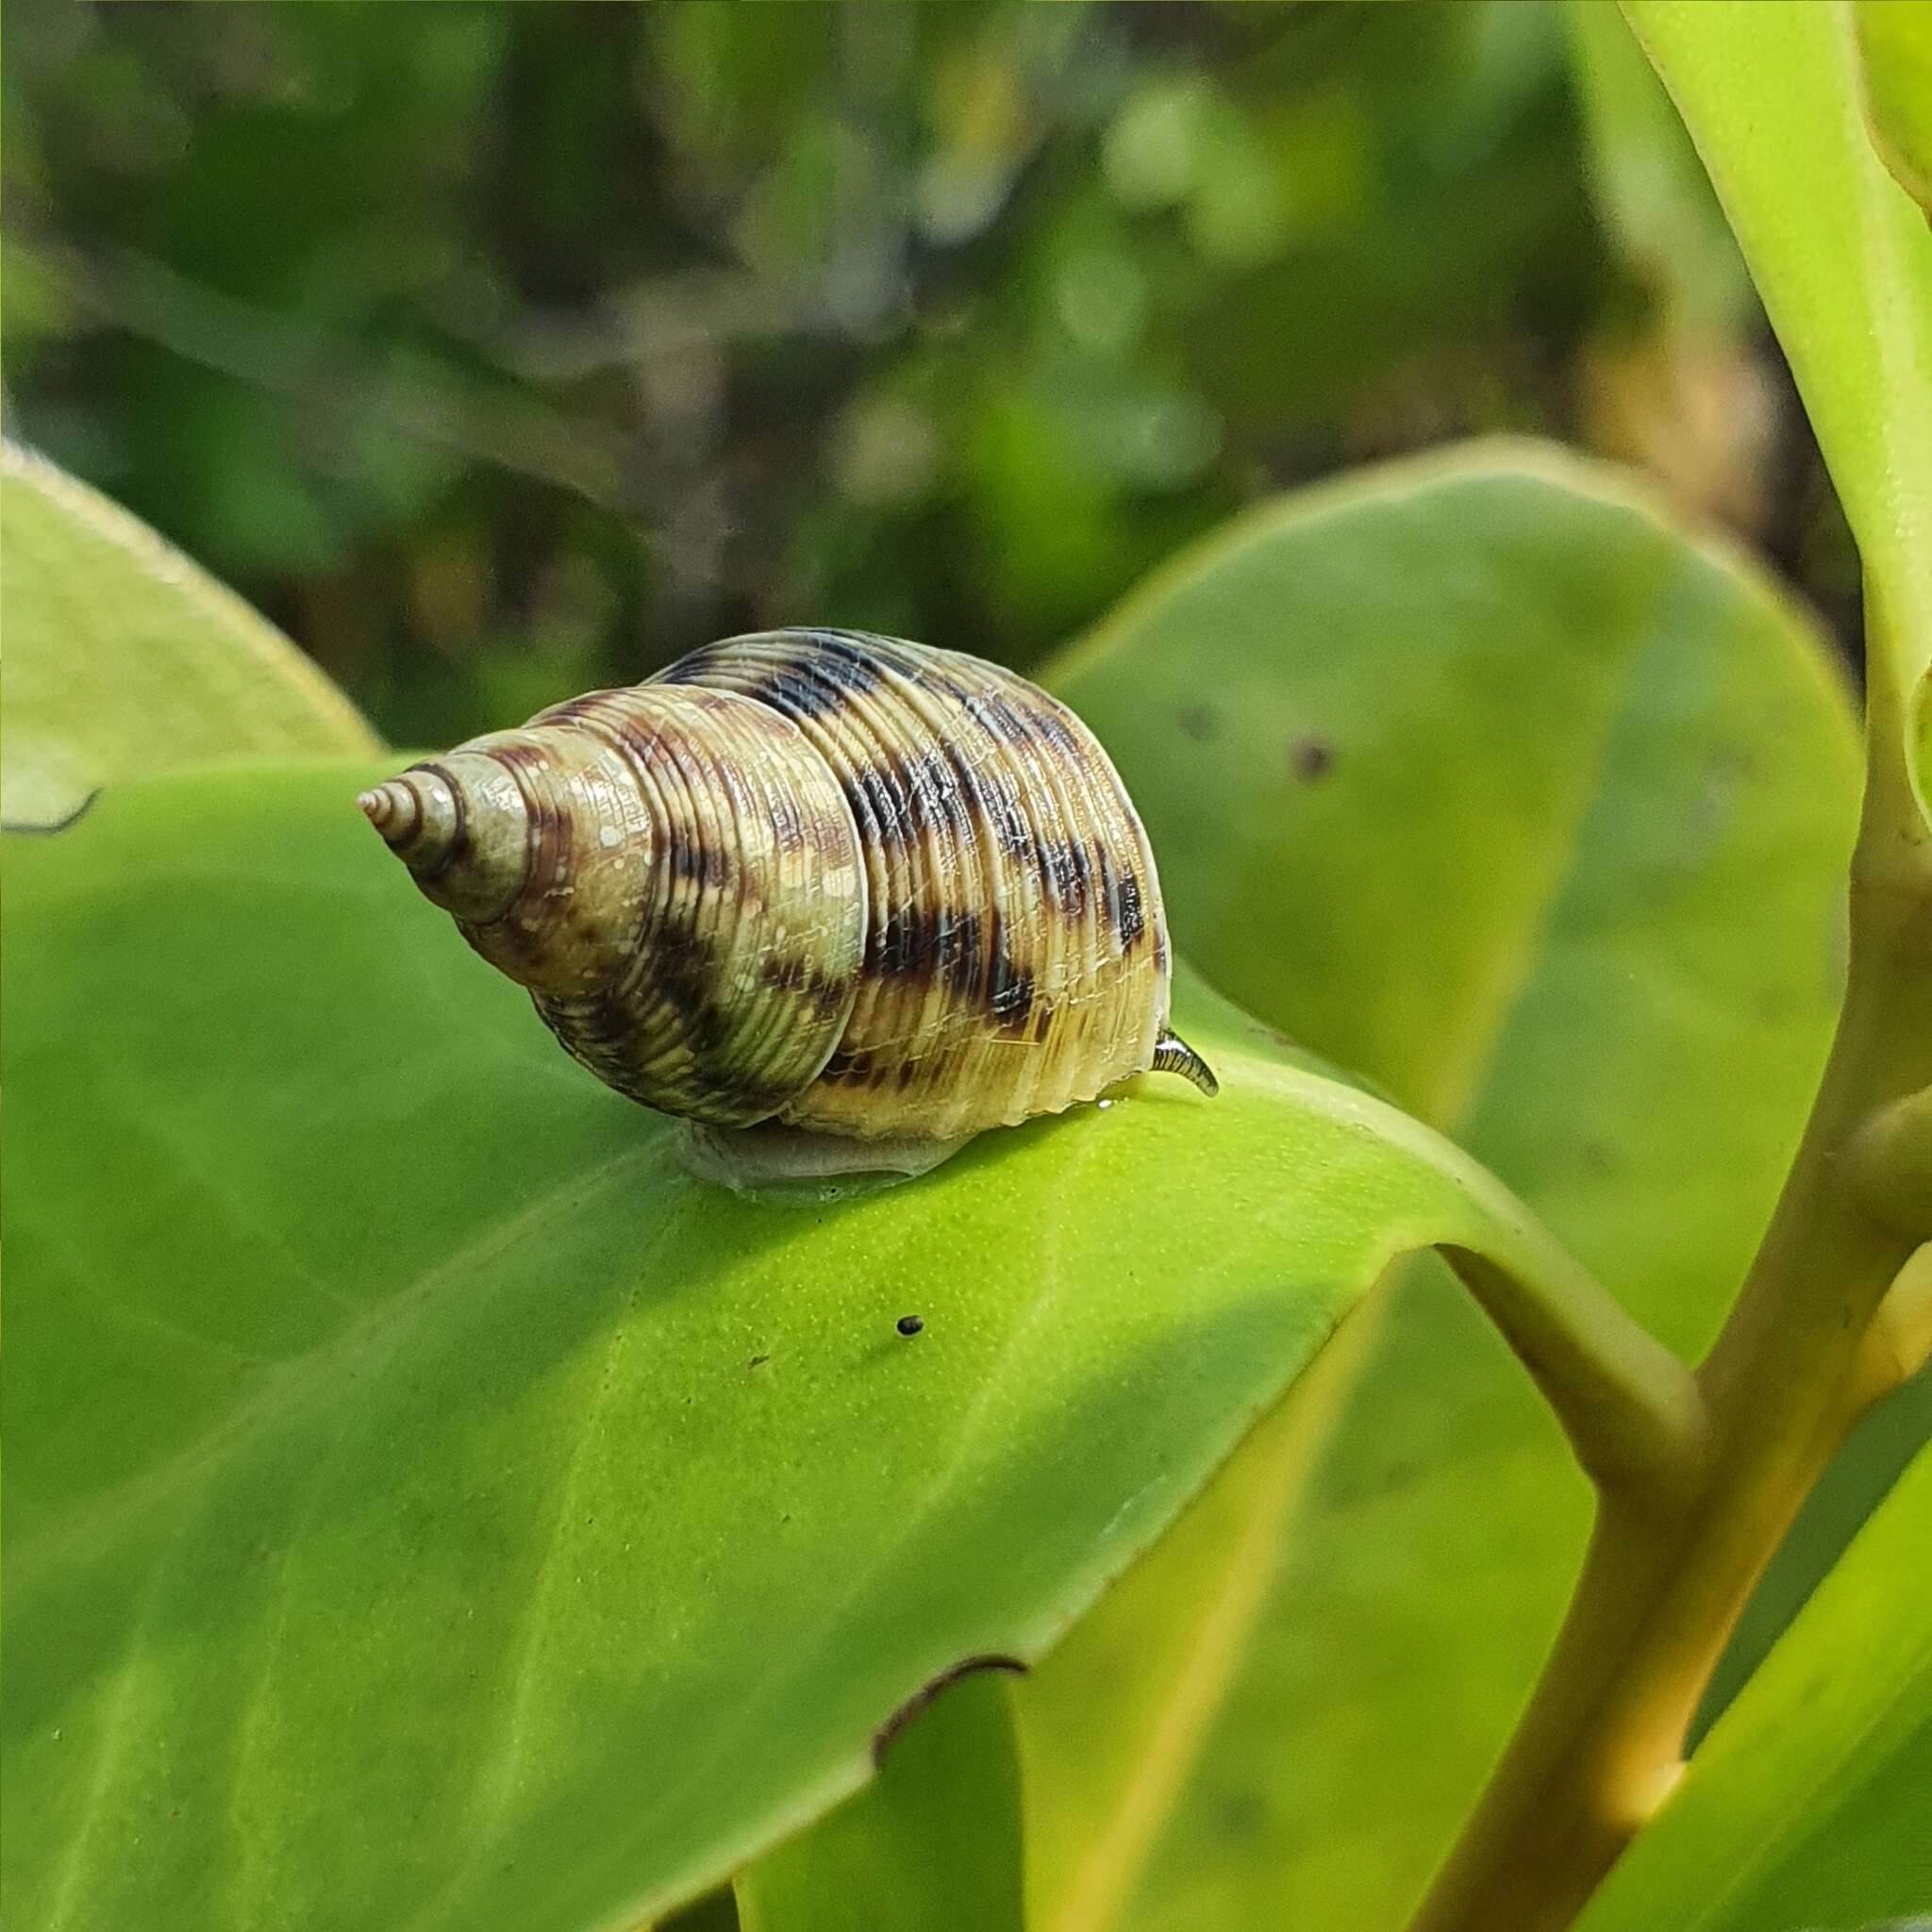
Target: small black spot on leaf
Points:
(1312, 758)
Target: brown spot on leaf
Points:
(1312, 758)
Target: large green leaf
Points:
(1479, 774)
(1841, 258)
(124, 659)
(1809, 1805)
(427, 1508)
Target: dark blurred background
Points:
(502, 351)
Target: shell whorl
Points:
(461, 826)
(673, 875)
(1016, 956)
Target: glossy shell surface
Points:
(1016, 956)
(847, 883)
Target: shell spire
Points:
(671, 875)
(461, 828)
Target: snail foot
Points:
(754, 1159)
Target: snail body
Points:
(839, 883)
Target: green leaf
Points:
(1652, 191)
(1896, 66)
(1807, 1807)
(1843, 260)
(1480, 775)
(934, 1840)
(427, 1508)
(1883, 1444)
(124, 659)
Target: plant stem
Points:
(1634, 1414)
(1669, 1570)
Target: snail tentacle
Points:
(1172, 1055)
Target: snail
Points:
(840, 898)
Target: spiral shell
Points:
(850, 884)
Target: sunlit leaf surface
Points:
(428, 1506)
(1842, 258)
(1895, 70)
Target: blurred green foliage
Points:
(498, 351)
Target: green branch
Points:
(1835, 1311)
(1837, 1307)
(1632, 1411)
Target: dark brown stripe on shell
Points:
(690, 857)
(1128, 915)
(826, 993)
(825, 681)
(1068, 874)
(918, 940)
(881, 803)
(458, 846)
(856, 1069)
(521, 755)
(1010, 993)
(1104, 873)
(996, 799)
(681, 967)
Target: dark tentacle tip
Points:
(921, 1698)
(1172, 1055)
(1312, 758)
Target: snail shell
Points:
(841, 882)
